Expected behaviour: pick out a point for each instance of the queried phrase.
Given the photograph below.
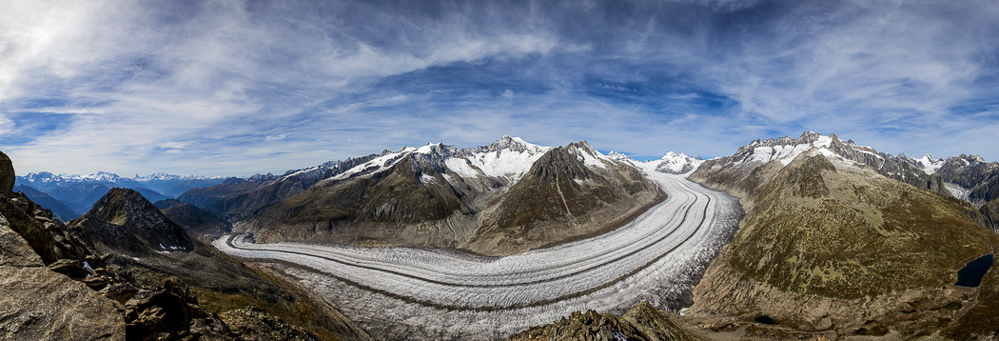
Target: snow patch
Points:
(507, 163)
(429, 148)
(427, 179)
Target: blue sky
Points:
(239, 87)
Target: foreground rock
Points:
(40, 304)
(125, 271)
(7, 176)
(643, 322)
(161, 274)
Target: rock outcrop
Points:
(642, 322)
(7, 176)
(40, 304)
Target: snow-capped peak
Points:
(784, 149)
(589, 156)
(928, 164)
(508, 157)
(513, 143)
(674, 163)
(615, 155)
(102, 176)
(429, 148)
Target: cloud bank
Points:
(238, 87)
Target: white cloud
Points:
(210, 86)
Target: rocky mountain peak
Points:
(615, 155)
(119, 205)
(261, 177)
(123, 218)
(674, 163)
(511, 143)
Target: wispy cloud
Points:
(234, 87)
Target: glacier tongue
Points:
(441, 294)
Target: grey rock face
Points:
(7, 176)
(39, 304)
(980, 178)
(991, 213)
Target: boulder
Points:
(39, 304)
(6, 175)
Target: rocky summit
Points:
(123, 220)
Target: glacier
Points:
(431, 293)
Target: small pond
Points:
(971, 275)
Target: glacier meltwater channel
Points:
(430, 293)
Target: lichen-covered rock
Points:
(39, 304)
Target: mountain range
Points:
(499, 199)
(838, 240)
(69, 195)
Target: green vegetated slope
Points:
(833, 245)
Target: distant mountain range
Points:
(70, 195)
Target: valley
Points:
(658, 257)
